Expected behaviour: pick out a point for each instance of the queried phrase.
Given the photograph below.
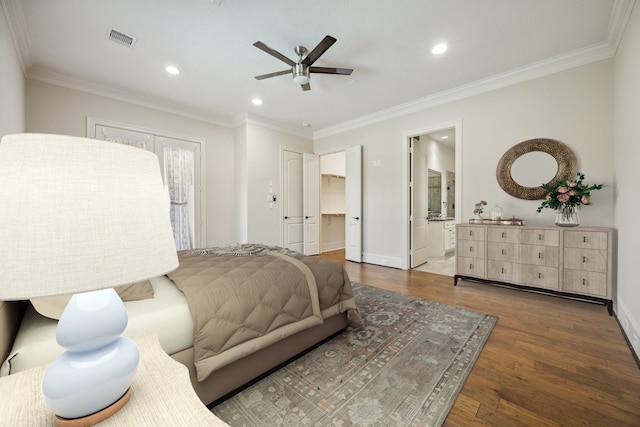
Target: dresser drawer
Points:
(503, 252)
(539, 276)
(585, 282)
(503, 271)
(503, 234)
(540, 237)
(470, 266)
(470, 233)
(585, 259)
(586, 239)
(470, 249)
(540, 255)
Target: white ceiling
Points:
(387, 43)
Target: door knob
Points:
(306, 217)
(356, 217)
(286, 217)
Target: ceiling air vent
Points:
(121, 38)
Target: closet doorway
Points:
(333, 201)
(341, 202)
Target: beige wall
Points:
(574, 107)
(53, 109)
(627, 154)
(12, 110)
(264, 163)
(240, 161)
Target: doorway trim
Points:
(457, 125)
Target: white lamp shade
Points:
(79, 214)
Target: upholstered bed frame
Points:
(222, 382)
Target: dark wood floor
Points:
(548, 362)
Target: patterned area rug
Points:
(405, 368)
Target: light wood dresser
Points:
(569, 262)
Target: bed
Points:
(229, 314)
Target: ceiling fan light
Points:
(300, 74)
(301, 79)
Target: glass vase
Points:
(567, 216)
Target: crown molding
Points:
(246, 118)
(576, 58)
(56, 79)
(14, 13)
(618, 23)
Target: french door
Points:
(182, 173)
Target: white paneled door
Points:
(301, 203)
(418, 194)
(353, 204)
(311, 203)
(292, 201)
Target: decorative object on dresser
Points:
(504, 221)
(496, 213)
(562, 154)
(565, 197)
(83, 215)
(404, 368)
(478, 209)
(572, 263)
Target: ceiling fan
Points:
(303, 67)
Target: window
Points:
(182, 171)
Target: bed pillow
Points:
(52, 307)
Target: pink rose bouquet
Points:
(567, 194)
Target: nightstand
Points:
(161, 395)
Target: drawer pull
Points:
(502, 270)
(503, 252)
(471, 233)
(504, 234)
(539, 255)
(470, 266)
(539, 236)
(584, 259)
(584, 282)
(539, 275)
(584, 239)
(470, 248)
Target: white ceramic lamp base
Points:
(99, 365)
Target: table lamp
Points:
(81, 216)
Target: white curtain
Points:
(178, 173)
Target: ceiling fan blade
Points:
(328, 70)
(274, 53)
(277, 73)
(306, 87)
(318, 50)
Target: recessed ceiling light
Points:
(172, 70)
(444, 137)
(439, 48)
(306, 125)
(256, 101)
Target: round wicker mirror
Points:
(562, 154)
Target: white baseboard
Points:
(332, 246)
(629, 325)
(382, 260)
